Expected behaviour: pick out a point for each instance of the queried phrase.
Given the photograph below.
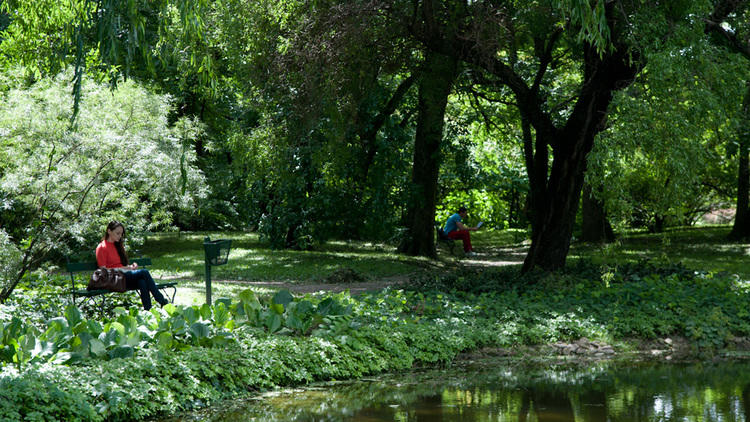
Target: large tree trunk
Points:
(434, 87)
(741, 227)
(555, 198)
(595, 228)
(553, 212)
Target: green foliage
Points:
(37, 397)
(282, 313)
(10, 258)
(631, 300)
(121, 162)
(178, 358)
(666, 157)
(164, 377)
(71, 338)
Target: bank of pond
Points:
(63, 363)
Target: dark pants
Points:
(141, 280)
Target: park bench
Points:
(443, 239)
(88, 267)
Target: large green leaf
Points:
(97, 348)
(326, 306)
(55, 325)
(191, 314)
(221, 315)
(199, 330)
(73, 315)
(277, 308)
(273, 322)
(94, 327)
(164, 340)
(7, 353)
(248, 297)
(283, 297)
(205, 311)
(14, 329)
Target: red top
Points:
(107, 256)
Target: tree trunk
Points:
(434, 87)
(741, 227)
(553, 213)
(596, 228)
(555, 198)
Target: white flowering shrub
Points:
(10, 259)
(60, 185)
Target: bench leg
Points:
(167, 295)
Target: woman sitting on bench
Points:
(111, 254)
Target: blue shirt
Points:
(451, 225)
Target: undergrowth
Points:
(137, 364)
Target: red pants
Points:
(464, 236)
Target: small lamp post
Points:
(217, 253)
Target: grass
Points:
(180, 257)
(702, 248)
(251, 260)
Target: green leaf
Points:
(227, 302)
(56, 325)
(191, 314)
(248, 298)
(164, 340)
(170, 309)
(7, 353)
(277, 308)
(303, 307)
(221, 315)
(114, 325)
(206, 311)
(67, 358)
(73, 315)
(13, 330)
(283, 297)
(97, 347)
(273, 323)
(199, 330)
(295, 324)
(325, 307)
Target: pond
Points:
(499, 390)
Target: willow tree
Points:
(112, 39)
(664, 158)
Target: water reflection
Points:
(495, 391)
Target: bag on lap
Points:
(108, 279)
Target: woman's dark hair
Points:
(119, 244)
(462, 209)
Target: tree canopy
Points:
(375, 120)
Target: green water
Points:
(501, 391)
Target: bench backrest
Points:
(76, 267)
